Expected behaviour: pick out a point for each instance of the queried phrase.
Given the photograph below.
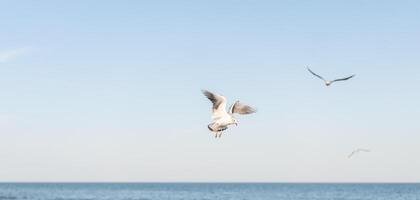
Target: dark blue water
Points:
(207, 191)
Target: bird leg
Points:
(217, 134)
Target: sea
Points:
(207, 191)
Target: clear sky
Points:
(110, 91)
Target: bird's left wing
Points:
(219, 101)
(313, 73)
(351, 155)
(343, 79)
(240, 108)
(219, 104)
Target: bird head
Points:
(234, 121)
(328, 83)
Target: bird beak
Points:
(236, 124)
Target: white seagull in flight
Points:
(327, 82)
(221, 119)
(358, 151)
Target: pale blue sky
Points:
(102, 91)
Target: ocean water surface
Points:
(207, 191)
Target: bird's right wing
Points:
(219, 102)
(313, 73)
(240, 108)
(344, 79)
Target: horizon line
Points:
(201, 182)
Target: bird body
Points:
(221, 118)
(328, 82)
(221, 123)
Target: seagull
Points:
(327, 82)
(358, 151)
(221, 118)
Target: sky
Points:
(96, 91)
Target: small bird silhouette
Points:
(327, 82)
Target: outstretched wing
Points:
(219, 101)
(313, 73)
(344, 79)
(240, 108)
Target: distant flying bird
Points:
(358, 151)
(327, 82)
(221, 118)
